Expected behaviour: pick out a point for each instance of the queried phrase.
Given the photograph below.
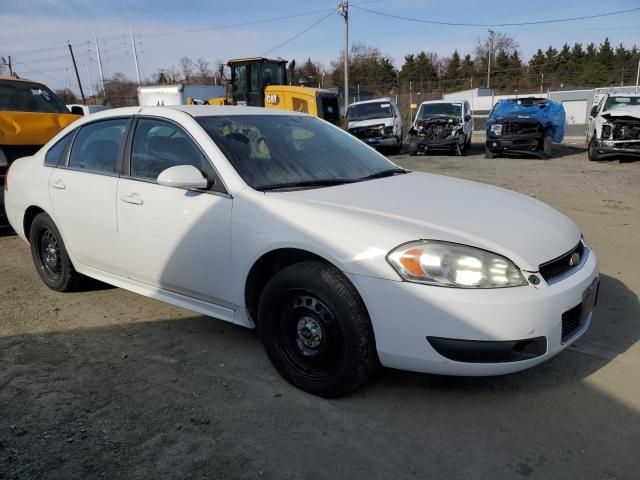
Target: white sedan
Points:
(282, 221)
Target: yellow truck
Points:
(30, 115)
(264, 82)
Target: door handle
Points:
(133, 199)
(59, 184)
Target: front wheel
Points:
(50, 255)
(316, 330)
(592, 151)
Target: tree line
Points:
(571, 66)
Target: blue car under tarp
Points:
(525, 124)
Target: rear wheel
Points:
(413, 149)
(50, 255)
(592, 151)
(488, 153)
(316, 330)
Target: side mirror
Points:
(77, 111)
(467, 117)
(182, 176)
(594, 111)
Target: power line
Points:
(299, 33)
(234, 25)
(517, 24)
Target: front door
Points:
(173, 239)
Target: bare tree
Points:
(501, 42)
(204, 73)
(186, 65)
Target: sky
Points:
(35, 32)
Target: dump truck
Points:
(264, 82)
(30, 115)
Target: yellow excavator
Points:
(264, 82)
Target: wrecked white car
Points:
(441, 126)
(614, 127)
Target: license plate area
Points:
(574, 319)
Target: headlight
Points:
(496, 129)
(454, 265)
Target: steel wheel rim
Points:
(48, 251)
(308, 335)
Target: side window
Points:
(159, 145)
(240, 84)
(54, 156)
(96, 146)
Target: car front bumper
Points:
(424, 145)
(514, 143)
(618, 148)
(406, 317)
(386, 141)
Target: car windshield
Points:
(368, 111)
(617, 101)
(291, 151)
(439, 109)
(19, 96)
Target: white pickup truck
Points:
(614, 126)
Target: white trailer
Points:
(179, 94)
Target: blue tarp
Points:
(550, 114)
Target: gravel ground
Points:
(107, 384)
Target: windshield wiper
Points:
(327, 182)
(384, 173)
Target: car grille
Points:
(570, 322)
(567, 262)
(367, 132)
(521, 128)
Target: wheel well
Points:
(29, 215)
(266, 267)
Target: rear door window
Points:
(55, 155)
(97, 146)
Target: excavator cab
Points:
(265, 82)
(250, 77)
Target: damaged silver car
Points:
(614, 127)
(441, 126)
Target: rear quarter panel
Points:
(27, 186)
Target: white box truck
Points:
(178, 94)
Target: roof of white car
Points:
(375, 100)
(441, 101)
(196, 111)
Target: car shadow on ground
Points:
(197, 398)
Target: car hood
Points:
(32, 128)
(371, 122)
(630, 111)
(427, 206)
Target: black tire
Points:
(50, 255)
(592, 152)
(547, 147)
(413, 149)
(488, 153)
(316, 330)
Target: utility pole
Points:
(638, 75)
(75, 67)
(8, 64)
(491, 34)
(90, 86)
(135, 54)
(343, 9)
(104, 92)
(541, 82)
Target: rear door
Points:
(83, 193)
(173, 239)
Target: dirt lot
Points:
(108, 384)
